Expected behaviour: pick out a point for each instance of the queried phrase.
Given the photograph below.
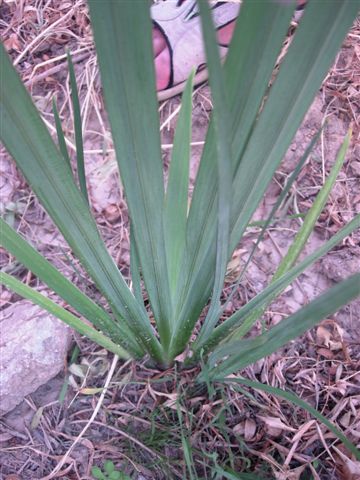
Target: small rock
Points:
(33, 349)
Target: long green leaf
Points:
(177, 192)
(222, 123)
(29, 142)
(259, 33)
(241, 353)
(309, 56)
(135, 269)
(201, 340)
(78, 129)
(271, 216)
(300, 403)
(43, 269)
(60, 134)
(306, 229)
(130, 97)
(59, 312)
(313, 214)
(242, 320)
(319, 36)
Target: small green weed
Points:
(109, 472)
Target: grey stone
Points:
(33, 347)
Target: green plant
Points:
(180, 255)
(109, 472)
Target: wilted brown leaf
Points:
(12, 43)
(348, 469)
(290, 474)
(275, 422)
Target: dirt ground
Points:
(135, 426)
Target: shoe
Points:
(179, 22)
